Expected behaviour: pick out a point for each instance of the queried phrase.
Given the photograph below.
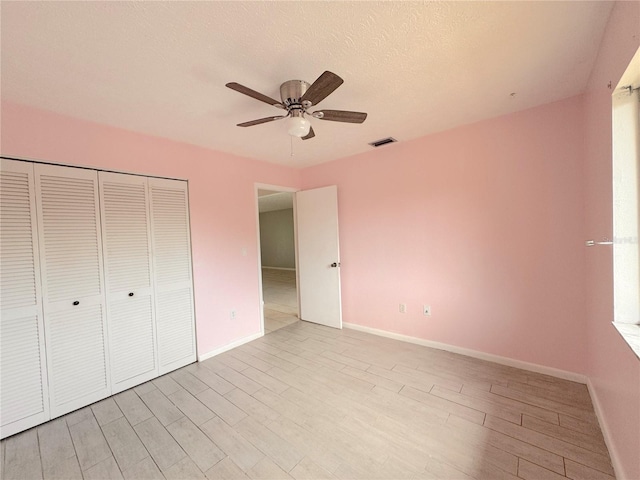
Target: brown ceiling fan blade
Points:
(253, 94)
(260, 120)
(340, 116)
(321, 88)
(309, 135)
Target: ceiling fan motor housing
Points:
(292, 91)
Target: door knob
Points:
(131, 294)
(76, 302)
(335, 264)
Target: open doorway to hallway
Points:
(280, 299)
(278, 259)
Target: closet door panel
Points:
(132, 339)
(127, 255)
(78, 354)
(23, 383)
(175, 326)
(72, 277)
(23, 391)
(172, 273)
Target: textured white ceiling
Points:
(415, 67)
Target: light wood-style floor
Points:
(310, 402)
(280, 298)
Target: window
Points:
(626, 152)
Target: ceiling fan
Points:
(297, 97)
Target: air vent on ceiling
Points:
(384, 141)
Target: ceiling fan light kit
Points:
(296, 97)
(298, 126)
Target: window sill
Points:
(631, 334)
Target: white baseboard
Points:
(280, 268)
(608, 439)
(510, 362)
(229, 346)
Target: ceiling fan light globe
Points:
(298, 126)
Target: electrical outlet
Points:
(403, 308)
(233, 315)
(426, 309)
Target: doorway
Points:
(277, 258)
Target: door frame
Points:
(279, 189)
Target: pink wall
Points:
(221, 194)
(612, 367)
(484, 223)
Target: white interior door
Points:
(73, 287)
(319, 256)
(23, 377)
(128, 278)
(173, 285)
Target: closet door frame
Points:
(111, 295)
(24, 423)
(50, 307)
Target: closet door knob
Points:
(131, 294)
(76, 302)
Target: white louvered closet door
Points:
(171, 244)
(23, 384)
(124, 210)
(72, 281)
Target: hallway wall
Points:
(277, 246)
